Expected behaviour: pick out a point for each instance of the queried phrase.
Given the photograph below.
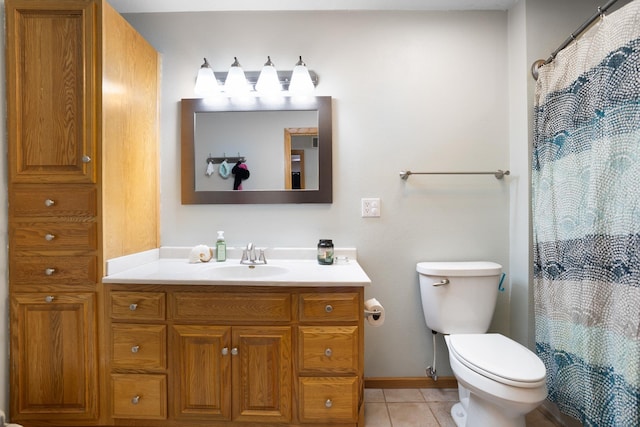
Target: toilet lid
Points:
(499, 358)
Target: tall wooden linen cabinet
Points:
(82, 107)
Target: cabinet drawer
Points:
(55, 236)
(137, 305)
(138, 346)
(231, 307)
(38, 270)
(316, 307)
(330, 349)
(329, 399)
(142, 396)
(54, 201)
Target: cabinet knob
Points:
(328, 403)
(49, 237)
(328, 352)
(135, 400)
(86, 159)
(328, 308)
(49, 271)
(133, 307)
(135, 349)
(48, 203)
(49, 298)
(234, 351)
(225, 351)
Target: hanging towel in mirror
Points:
(210, 169)
(224, 170)
(241, 173)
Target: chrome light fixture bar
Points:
(219, 83)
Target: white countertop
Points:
(285, 267)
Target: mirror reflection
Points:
(256, 151)
(277, 149)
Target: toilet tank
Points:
(459, 297)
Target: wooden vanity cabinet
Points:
(82, 161)
(255, 356)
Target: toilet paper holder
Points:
(375, 314)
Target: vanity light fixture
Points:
(206, 84)
(268, 81)
(236, 82)
(301, 83)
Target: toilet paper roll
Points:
(374, 305)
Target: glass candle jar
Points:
(325, 252)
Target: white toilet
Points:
(499, 380)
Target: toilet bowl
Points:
(499, 380)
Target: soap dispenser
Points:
(221, 247)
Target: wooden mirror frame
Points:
(324, 193)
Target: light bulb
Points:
(301, 83)
(236, 82)
(268, 81)
(206, 83)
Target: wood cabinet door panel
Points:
(137, 305)
(139, 396)
(55, 271)
(74, 201)
(51, 80)
(329, 399)
(138, 346)
(202, 372)
(231, 307)
(54, 366)
(329, 307)
(262, 372)
(80, 236)
(329, 349)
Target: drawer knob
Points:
(48, 203)
(135, 400)
(49, 298)
(49, 237)
(328, 308)
(225, 351)
(86, 159)
(328, 403)
(135, 349)
(234, 351)
(49, 271)
(133, 307)
(328, 352)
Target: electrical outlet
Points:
(370, 207)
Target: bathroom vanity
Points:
(222, 344)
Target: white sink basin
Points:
(244, 272)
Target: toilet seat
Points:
(498, 358)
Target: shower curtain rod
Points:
(600, 11)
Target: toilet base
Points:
(480, 413)
(459, 415)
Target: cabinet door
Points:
(51, 99)
(202, 380)
(262, 374)
(53, 358)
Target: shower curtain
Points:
(586, 222)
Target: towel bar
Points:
(499, 174)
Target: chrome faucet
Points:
(249, 256)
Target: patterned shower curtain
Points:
(586, 222)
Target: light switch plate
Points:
(370, 207)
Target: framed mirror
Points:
(283, 146)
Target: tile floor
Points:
(427, 407)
